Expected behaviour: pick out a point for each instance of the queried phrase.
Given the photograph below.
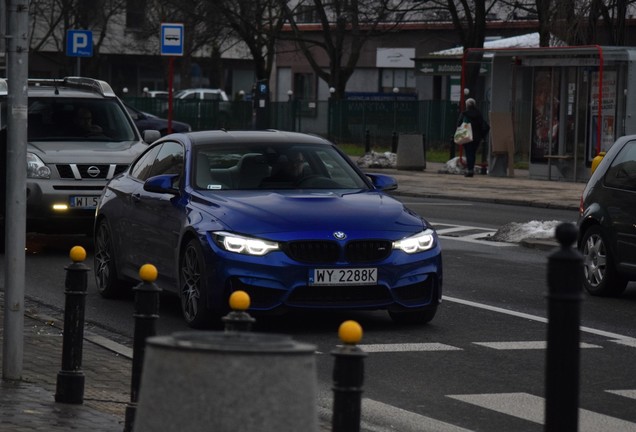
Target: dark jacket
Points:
(477, 122)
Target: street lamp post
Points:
(394, 136)
(331, 124)
(290, 101)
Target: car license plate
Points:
(86, 202)
(348, 276)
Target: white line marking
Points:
(531, 408)
(407, 347)
(622, 338)
(625, 393)
(525, 345)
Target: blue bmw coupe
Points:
(286, 217)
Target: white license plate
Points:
(348, 276)
(87, 202)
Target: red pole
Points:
(170, 75)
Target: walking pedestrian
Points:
(480, 131)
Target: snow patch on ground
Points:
(515, 232)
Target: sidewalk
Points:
(29, 404)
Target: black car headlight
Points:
(244, 245)
(419, 242)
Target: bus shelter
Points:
(557, 107)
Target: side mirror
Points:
(151, 135)
(383, 182)
(162, 184)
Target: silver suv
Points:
(79, 137)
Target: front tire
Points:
(107, 279)
(600, 277)
(192, 287)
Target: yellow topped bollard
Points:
(348, 377)
(238, 319)
(350, 332)
(77, 254)
(240, 300)
(148, 273)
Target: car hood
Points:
(277, 212)
(86, 151)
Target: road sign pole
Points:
(170, 79)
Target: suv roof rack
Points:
(98, 86)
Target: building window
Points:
(306, 14)
(403, 79)
(135, 13)
(305, 86)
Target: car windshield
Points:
(53, 119)
(270, 166)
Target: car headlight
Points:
(36, 168)
(418, 243)
(244, 245)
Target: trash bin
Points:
(227, 381)
(411, 154)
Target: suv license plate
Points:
(349, 276)
(86, 202)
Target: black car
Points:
(145, 121)
(607, 221)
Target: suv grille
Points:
(89, 171)
(357, 251)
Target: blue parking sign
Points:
(172, 39)
(79, 43)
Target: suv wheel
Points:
(599, 267)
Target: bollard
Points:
(394, 142)
(565, 272)
(238, 319)
(367, 141)
(348, 376)
(146, 315)
(70, 379)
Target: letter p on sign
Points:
(79, 43)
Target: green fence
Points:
(343, 121)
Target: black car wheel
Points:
(106, 277)
(599, 267)
(192, 288)
(418, 316)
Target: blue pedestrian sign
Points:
(172, 39)
(79, 43)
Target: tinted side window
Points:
(142, 168)
(169, 160)
(622, 172)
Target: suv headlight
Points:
(418, 243)
(36, 168)
(244, 245)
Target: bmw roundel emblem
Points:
(339, 235)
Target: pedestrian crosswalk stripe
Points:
(625, 393)
(407, 347)
(529, 407)
(526, 345)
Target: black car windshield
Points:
(52, 119)
(271, 166)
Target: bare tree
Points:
(345, 26)
(50, 20)
(256, 23)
